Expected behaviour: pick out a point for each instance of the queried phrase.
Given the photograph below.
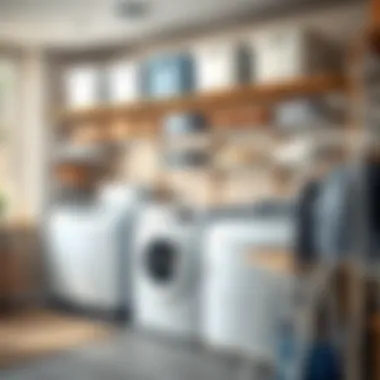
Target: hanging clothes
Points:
(371, 188)
(334, 215)
(305, 245)
(323, 363)
(348, 213)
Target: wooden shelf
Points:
(267, 93)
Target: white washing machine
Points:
(241, 304)
(166, 272)
(89, 252)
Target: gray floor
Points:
(135, 356)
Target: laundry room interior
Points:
(189, 190)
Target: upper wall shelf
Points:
(268, 93)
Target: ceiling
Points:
(61, 23)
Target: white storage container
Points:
(220, 65)
(288, 53)
(83, 86)
(123, 81)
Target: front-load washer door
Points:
(161, 261)
(166, 267)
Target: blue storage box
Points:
(168, 76)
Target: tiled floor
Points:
(133, 356)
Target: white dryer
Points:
(241, 304)
(166, 269)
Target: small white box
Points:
(82, 86)
(289, 53)
(220, 65)
(123, 81)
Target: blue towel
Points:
(322, 363)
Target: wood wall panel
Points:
(375, 13)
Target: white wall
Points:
(340, 23)
(32, 134)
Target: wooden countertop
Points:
(273, 259)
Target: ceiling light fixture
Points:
(131, 9)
